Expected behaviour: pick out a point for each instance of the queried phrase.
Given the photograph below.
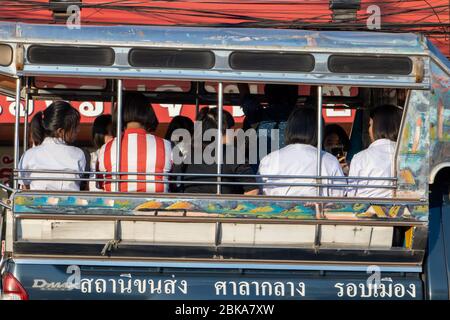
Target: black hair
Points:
(137, 108)
(386, 122)
(302, 127)
(209, 118)
(179, 122)
(229, 118)
(201, 113)
(246, 124)
(58, 115)
(102, 126)
(35, 132)
(340, 132)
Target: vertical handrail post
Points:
(25, 120)
(119, 130)
(394, 171)
(319, 137)
(16, 130)
(219, 134)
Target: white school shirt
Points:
(52, 154)
(300, 160)
(376, 161)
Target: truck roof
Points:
(431, 19)
(216, 38)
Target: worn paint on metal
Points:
(225, 208)
(424, 142)
(414, 147)
(439, 118)
(214, 38)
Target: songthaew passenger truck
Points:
(113, 245)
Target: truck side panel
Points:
(436, 266)
(56, 281)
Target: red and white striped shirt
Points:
(141, 152)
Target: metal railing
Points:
(259, 179)
(206, 175)
(257, 182)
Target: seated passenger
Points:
(52, 130)
(281, 100)
(34, 133)
(229, 119)
(202, 160)
(180, 122)
(102, 132)
(337, 143)
(227, 116)
(141, 151)
(299, 158)
(378, 159)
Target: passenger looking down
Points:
(202, 159)
(337, 143)
(102, 132)
(52, 132)
(141, 151)
(180, 123)
(378, 159)
(299, 158)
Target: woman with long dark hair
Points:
(299, 158)
(378, 159)
(180, 127)
(53, 131)
(202, 158)
(102, 132)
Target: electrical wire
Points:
(148, 9)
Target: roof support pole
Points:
(219, 134)
(25, 120)
(319, 136)
(16, 130)
(119, 129)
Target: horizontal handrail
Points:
(256, 183)
(274, 176)
(5, 187)
(207, 219)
